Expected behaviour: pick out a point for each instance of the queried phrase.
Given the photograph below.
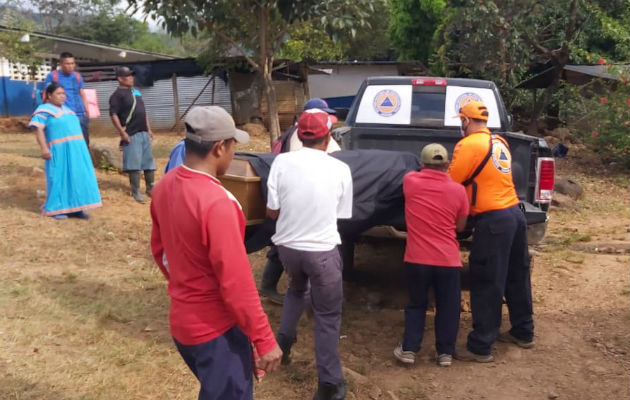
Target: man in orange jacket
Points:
(499, 261)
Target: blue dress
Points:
(70, 179)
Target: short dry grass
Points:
(85, 311)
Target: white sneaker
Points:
(444, 360)
(405, 357)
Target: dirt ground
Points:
(84, 309)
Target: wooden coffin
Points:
(243, 182)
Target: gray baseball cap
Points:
(211, 124)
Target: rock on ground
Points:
(568, 187)
(563, 201)
(106, 157)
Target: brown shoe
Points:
(462, 354)
(506, 337)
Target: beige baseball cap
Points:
(434, 153)
(211, 124)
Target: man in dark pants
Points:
(435, 207)
(288, 141)
(197, 242)
(307, 192)
(499, 262)
(130, 119)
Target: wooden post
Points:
(175, 99)
(304, 73)
(214, 84)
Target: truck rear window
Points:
(427, 109)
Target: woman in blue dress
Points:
(70, 179)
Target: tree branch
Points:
(211, 28)
(537, 45)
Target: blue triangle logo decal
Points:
(387, 102)
(503, 156)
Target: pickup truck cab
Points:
(405, 113)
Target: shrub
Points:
(599, 114)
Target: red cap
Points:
(315, 124)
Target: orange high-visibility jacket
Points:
(492, 188)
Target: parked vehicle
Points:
(406, 113)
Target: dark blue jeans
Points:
(223, 366)
(445, 282)
(85, 128)
(499, 266)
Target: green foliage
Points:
(606, 34)
(370, 42)
(412, 25)
(106, 27)
(482, 42)
(599, 114)
(119, 30)
(232, 20)
(53, 14)
(256, 28)
(313, 41)
(308, 42)
(500, 40)
(12, 47)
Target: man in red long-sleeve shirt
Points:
(197, 241)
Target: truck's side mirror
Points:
(510, 121)
(338, 133)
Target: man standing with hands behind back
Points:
(130, 119)
(499, 260)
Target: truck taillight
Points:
(429, 82)
(545, 179)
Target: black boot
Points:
(285, 345)
(148, 180)
(269, 280)
(330, 391)
(134, 182)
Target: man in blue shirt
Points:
(72, 82)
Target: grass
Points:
(85, 311)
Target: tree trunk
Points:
(559, 59)
(272, 105)
(266, 65)
(544, 100)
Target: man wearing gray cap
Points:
(198, 242)
(435, 207)
(130, 119)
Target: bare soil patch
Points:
(85, 309)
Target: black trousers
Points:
(499, 267)
(446, 285)
(223, 366)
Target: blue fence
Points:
(17, 98)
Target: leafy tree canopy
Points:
(412, 25)
(256, 29)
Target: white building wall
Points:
(344, 80)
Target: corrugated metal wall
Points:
(159, 99)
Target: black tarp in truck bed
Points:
(377, 190)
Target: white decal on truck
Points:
(385, 104)
(458, 96)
